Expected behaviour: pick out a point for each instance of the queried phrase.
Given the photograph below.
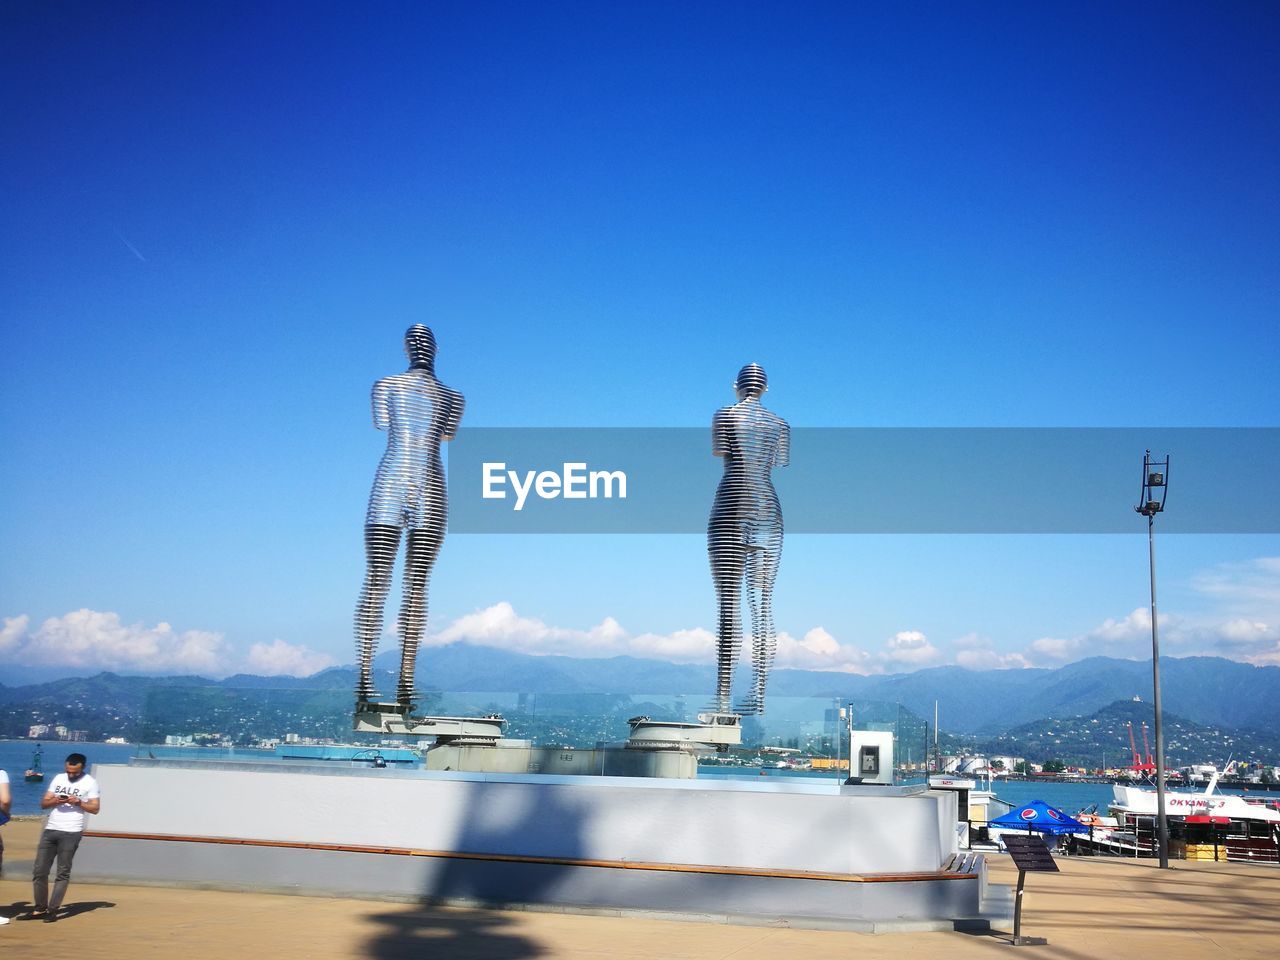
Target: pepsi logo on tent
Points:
(1038, 815)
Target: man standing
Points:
(5, 800)
(71, 796)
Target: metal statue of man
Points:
(744, 533)
(419, 413)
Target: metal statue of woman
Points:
(418, 412)
(744, 533)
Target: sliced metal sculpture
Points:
(419, 413)
(744, 533)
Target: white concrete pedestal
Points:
(790, 850)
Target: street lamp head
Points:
(1155, 486)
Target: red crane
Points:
(1139, 765)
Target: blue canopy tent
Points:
(1038, 816)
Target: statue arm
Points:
(457, 403)
(381, 405)
(783, 457)
(719, 434)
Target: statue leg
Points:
(380, 544)
(727, 558)
(761, 571)
(420, 557)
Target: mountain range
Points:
(1101, 739)
(973, 703)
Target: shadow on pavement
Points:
(423, 933)
(88, 906)
(21, 909)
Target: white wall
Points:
(775, 825)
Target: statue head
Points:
(752, 382)
(420, 347)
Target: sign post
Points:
(1029, 854)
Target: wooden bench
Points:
(968, 863)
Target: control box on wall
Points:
(871, 756)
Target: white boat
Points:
(1206, 825)
(1141, 801)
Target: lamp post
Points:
(1155, 487)
(840, 718)
(848, 728)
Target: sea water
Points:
(1066, 796)
(15, 757)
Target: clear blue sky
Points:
(218, 219)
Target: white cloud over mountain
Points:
(909, 649)
(1242, 623)
(501, 626)
(92, 640)
(15, 628)
(819, 650)
(979, 653)
(280, 659)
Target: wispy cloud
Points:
(1250, 641)
(1250, 587)
(132, 249)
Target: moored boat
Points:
(35, 772)
(1202, 826)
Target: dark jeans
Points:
(53, 843)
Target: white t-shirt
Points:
(68, 817)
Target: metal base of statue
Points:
(661, 750)
(713, 730)
(392, 718)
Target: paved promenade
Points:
(1094, 908)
